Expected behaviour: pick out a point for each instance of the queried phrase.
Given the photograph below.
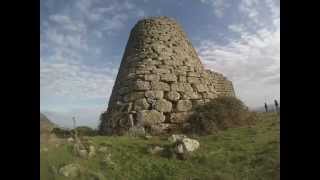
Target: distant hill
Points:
(45, 124)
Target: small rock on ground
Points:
(70, 170)
(155, 149)
(176, 137)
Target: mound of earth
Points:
(45, 124)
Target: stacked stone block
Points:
(160, 80)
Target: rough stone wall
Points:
(160, 80)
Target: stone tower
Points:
(160, 80)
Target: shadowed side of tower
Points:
(160, 80)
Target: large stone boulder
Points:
(186, 145)
(189, 144)
(141, 85)
(179, 117)
(184, 105)
(160, 86)
(149, 117)
(163, 105)
(137, 131)
(141, 104)
(176, 137)
(169, 77)
(173, 96)
(152, 77)
(154, 94)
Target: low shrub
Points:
(85, 131)
(219, 114)
(61, 133)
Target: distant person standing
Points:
(277, 105)
(266, 107)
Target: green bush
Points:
(85, 131)
(61, 133)
(219, 114)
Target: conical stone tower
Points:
(160, 80)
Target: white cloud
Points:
(74, 80)
(65, 44)
(62, 19)
(115, 22)
(219, 6)
(252, 61)
(238, 28)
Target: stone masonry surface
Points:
(160, 80)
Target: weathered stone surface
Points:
(176, 137)
(123, 90)
(179, 149)
(190, 144)
(173, 96)
(187, 145)
(161, 71)
(161, 86)
(137, 131)
(142, 71)
(158, 48)
(209, 95)
(158, 129)
(141, 104)
(181, 87)
(169, 77)
(150, 117)
(154, 94)
(152, 77)
(182, 78)
(133, 96)
(194, 80)
(184, 105)
(142, 85)
(197, 102)
(193, 74)
(200, 87)
(191, 95)
(179, 117)
(163, 105)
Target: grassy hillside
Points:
(239, 153)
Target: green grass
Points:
(240, 153)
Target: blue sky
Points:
(82, 42)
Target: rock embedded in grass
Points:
(190, 145)
(92, 151)
(70, 140)
(175, 137)
(70, 170)
(155, 150)
(103, 149)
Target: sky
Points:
(82, 43)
